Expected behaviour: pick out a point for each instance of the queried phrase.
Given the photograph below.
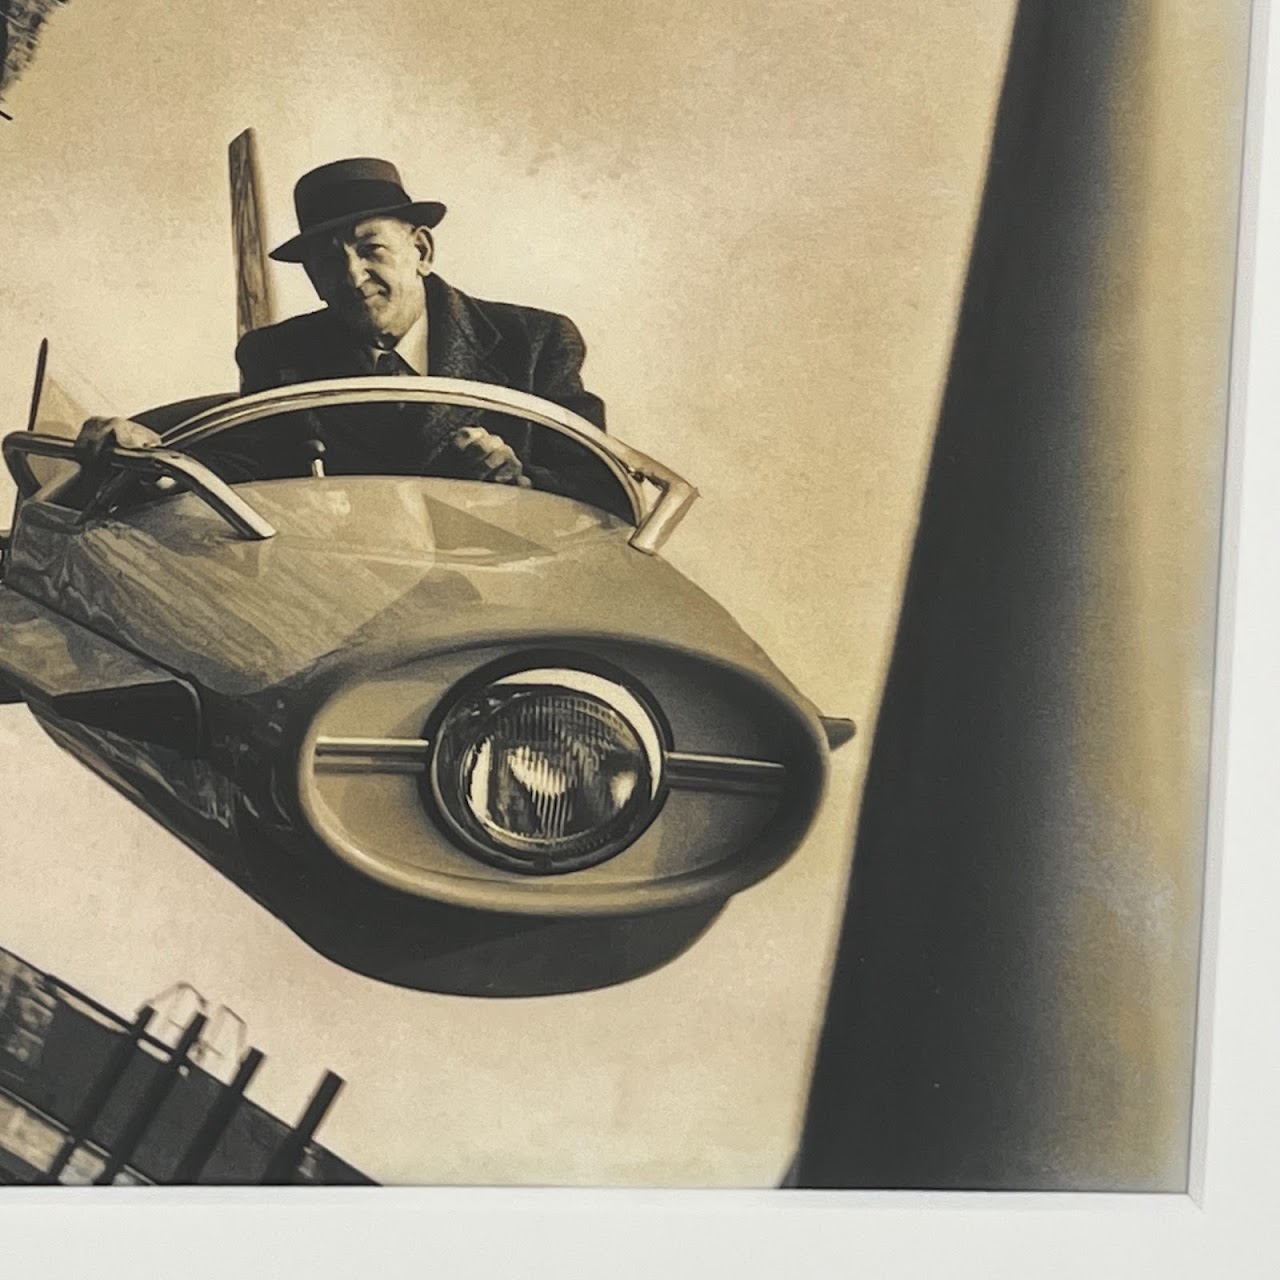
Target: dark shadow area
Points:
(938, 1041)
(431, 946)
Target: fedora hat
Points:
(346, 192)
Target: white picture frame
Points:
(1224, 1225)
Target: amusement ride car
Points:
(460, 736)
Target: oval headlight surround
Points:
(548, 769)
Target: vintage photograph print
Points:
(610, 595)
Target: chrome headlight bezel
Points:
(460, 721)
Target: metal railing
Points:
(103, 1138)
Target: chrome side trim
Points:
(682, 770)
(692, 771)
(372, 755)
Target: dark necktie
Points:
(432, 435)
(391, 364)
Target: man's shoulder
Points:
(509, 318)
(295, 333)
(517, 312)
(294, 350)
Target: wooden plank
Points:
(255, 300)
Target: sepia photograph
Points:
(611, 597)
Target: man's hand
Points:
(480, 455)
(99, 434)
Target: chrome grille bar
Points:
(683, 770)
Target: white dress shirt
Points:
(412, 348)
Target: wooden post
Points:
(255, 300)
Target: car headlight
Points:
(547, 770)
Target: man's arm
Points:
(557, 371)
(554, 463)
(97, 436)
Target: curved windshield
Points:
(404, 426)
(59, 397)
(360, 426)
(395, 437)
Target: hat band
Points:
(350, 199)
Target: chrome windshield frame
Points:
(655, 519)
(128, 460)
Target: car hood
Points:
(361, 568)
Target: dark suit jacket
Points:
(496, 342)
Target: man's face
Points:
(371, 276)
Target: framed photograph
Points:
(394, 793)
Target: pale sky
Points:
(758, 214)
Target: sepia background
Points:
(760, 216)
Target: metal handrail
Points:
(283, 1164)
(104, 1085)
(153, 1098)
(152, 463)
(655, 521)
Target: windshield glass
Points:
(385, 426)
(400, 438)
(60, 394)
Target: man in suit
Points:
(368, 251)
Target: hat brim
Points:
(421, 213)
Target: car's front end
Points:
(456, 735)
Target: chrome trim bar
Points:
(691, 771)
(682, 770)
(655, 521)
(675, 497)
(372, 755)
